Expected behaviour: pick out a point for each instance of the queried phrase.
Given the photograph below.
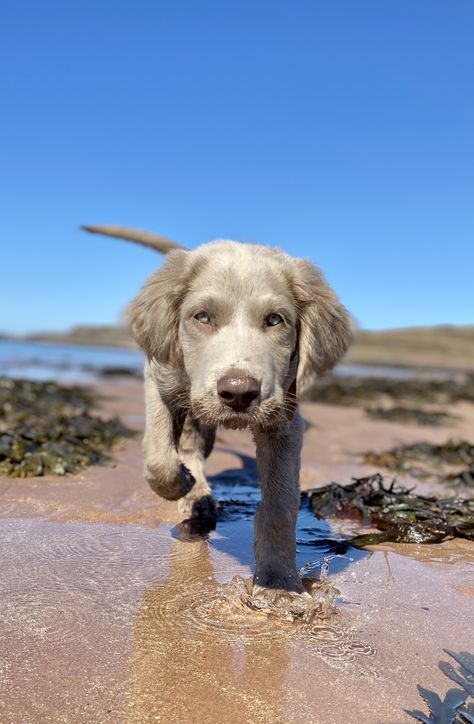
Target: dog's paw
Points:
(280, 593)
(202, 507)
(194, 529)
(201, 516)
(278, 579)
(280, 602)
(171, 486)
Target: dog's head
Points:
(249, 325)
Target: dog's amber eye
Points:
(203, 317)
(273, 320)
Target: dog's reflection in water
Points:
(198, 658)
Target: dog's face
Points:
(238, 333)
(248, 324)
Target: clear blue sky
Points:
(342, 131)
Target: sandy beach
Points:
(108, 616)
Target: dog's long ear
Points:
(324, 324)
(154, 313)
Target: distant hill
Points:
(103, 336)
(441, 346)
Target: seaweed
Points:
(449, 711)
(400, 515)
(461, 478)
(120, 372)
(358, 391)
(46, 428)
(410, 415)
(425, 459)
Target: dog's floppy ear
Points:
(154, 313)
(324, 324)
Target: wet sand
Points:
(107, 616)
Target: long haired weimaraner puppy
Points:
(233, 333)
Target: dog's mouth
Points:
(214, 413)
(264, 414)
(237, 419)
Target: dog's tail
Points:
(146, 238)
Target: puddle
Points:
(205, 599)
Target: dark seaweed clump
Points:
(410, 415)
(358, 391)
(424, 459)
(47, 429)
(120, 372)
(401, 515)
(375, 394)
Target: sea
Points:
(44, 361)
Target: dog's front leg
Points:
(278, 460)
(195, 445)
(164, 471)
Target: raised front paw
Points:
(171, 483)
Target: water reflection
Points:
(196, 658)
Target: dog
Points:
(233, 334)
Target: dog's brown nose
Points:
(238, 390)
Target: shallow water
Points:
(44, 361)
(106, 622)
(384, 371)
(169, 614)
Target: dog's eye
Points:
(203, 317)
(273, 319)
